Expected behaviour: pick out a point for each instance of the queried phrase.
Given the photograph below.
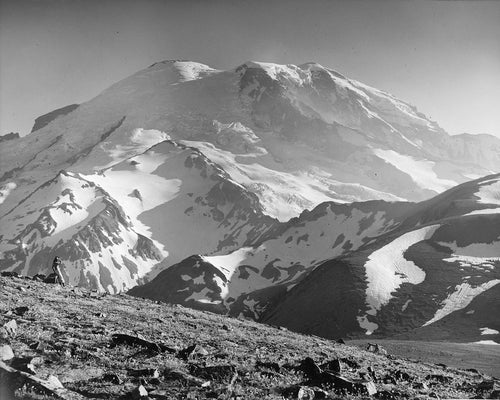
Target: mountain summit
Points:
(183, 166)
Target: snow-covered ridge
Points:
(181, 159)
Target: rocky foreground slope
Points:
(77, 344)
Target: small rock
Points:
(6, 352)
(39, 277)
(344, 385)
(340, 341)
(350, 363)
(37, 346)
(305, 393)
(320, 393)
(55, 382)
(21, 289)
(421, 386)
(192, 352)
(226, 328)
(389, 380)
(310, 369)
(147, 372)
(332, 366)
(20, 310)
(375, 348)
(24, 364)
(372, 374)
(11, 328)
(154, 381)
(402, 376)
(51, 278)
(112, 378)
(139, 392)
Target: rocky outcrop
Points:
(46, 119)
(9, 136)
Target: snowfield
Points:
(482, 255)
(460, 298)
(387, 269)
(421, 171)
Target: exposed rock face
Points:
(9, 136)
(435, 276)
(75, 217)
(45, 119)
(416, 269)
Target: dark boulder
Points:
(52, 278)
(20, 310)
(310, 369)
(111, 378)
(10, 274)
(332, 366)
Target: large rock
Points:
(11, 328)
(6, 352)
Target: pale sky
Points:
(443, 57)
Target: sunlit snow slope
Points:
(181, 159)
(372, 268)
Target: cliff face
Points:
(45, 119)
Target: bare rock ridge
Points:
(426, 270)
(9, 136)
(45, 119)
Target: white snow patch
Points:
(488, 331)
(405, 305)
(488, 342)
(202, 297)
(387, 269)
(227, 264)
(460, 298)
(5, 190)
(421, 171)
(368, 326)
(475, 254)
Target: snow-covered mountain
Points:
(419, 269)
(115, 226)
(182, 159)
